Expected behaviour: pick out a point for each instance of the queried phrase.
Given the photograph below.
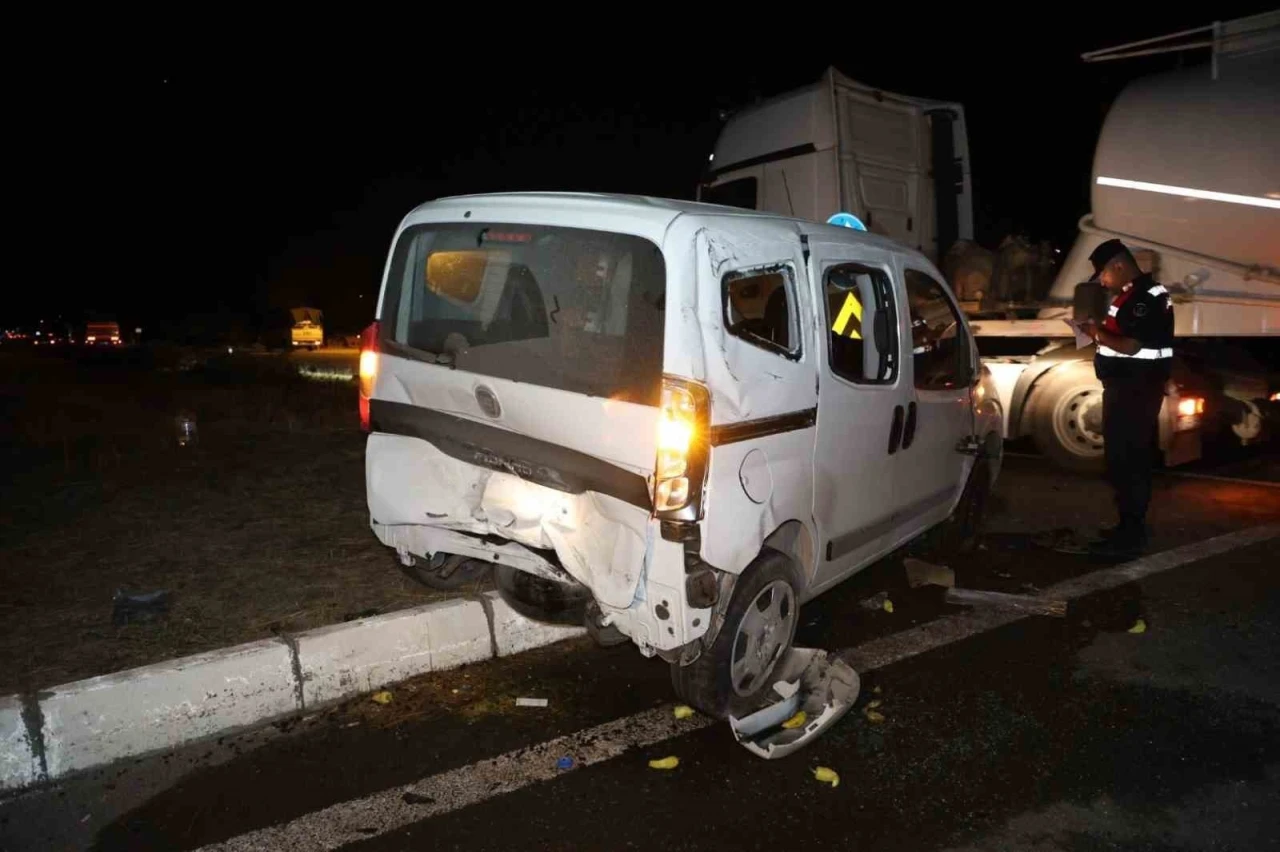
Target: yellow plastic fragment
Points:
(683, 711)
(888, 605)
(796, 721)
(827, 776)
(665, 763)
(1139, 626)
(875, 717)
(877, 690)
(873, 704)
(383, 697)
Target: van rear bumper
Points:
(658, 619)
(612, 547)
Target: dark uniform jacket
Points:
(1144, 312)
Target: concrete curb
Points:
(93, 722)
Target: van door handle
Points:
(909, 431)
(895, 431)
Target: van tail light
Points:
(683, 448)
(368, 371)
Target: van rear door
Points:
(529, 353)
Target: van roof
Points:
(651, 214)
(660, 208)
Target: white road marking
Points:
(953, 628)
(379, 813)
(388, 810)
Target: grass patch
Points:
(260, 527)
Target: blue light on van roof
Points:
(847, 220)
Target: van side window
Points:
(760, 309)
(862, 328)
(939, 344)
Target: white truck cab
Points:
(697, 417)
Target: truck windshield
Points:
(567, 308)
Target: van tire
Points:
(454, 573)
(706, 682)
(541, 599)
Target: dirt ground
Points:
(258, 527)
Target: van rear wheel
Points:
(735, 673)
(541, 599)
(447, 572)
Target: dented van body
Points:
(647, 398)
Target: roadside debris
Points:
(808, 682)
(564, 763)
(796, 720)
(683, 711)
(665, 763)
(1063, 540)
(531, 702)
(144, 607)
(921, 573)
(412, 798)
(827, 775)
(1015, 603)
(873, 715)
(876, 601)
(382, 697)
(364, 613)
(1139, 626)
(888, 605)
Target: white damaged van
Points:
(694, 418)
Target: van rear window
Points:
(567, 308)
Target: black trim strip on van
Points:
(732, 433)
(530, 459)
(784, 154)
(852, 540)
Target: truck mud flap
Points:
(824, 687)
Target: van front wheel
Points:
(735, 673)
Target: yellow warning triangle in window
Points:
(851, 308)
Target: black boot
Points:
(1126, 540)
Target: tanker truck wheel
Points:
(1066, 418)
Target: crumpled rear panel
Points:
(601, 541)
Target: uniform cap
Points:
(1105, 253)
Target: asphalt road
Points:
(1044, 734)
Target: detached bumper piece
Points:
(808, 679)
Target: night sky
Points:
(188, 175)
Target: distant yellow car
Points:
(308, 334)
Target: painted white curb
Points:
(347, 659)
(18, 764)
(96, 721)
(514, 633)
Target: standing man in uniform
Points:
(1134, 362)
